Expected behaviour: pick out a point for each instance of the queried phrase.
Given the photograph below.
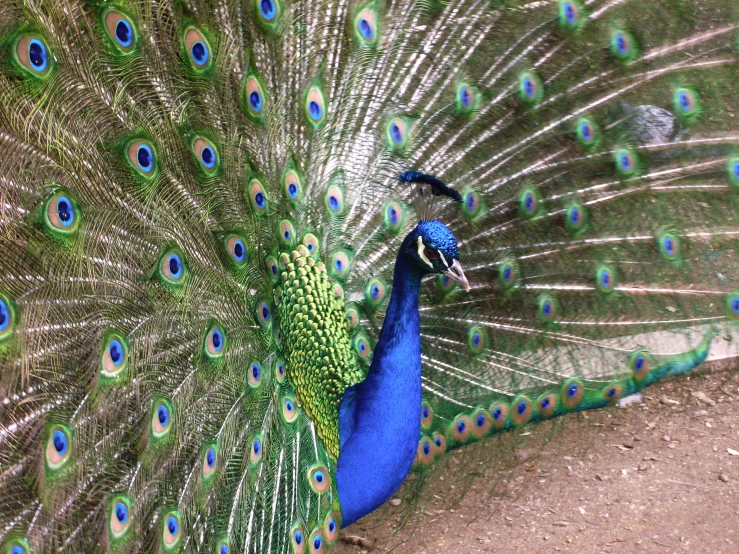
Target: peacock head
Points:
(433, 248)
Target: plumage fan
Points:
(215, 332)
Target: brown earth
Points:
(660, 476)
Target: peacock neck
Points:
(380, 419)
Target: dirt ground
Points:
(657, 476)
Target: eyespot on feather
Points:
(575, 217)
(427, 415)
(7, 317)
(393, 216)
(264, 313)
(466, 98)
(235, 246)
(331, 527)
(161, 419)
(587, 132)
(171, 531)
(334, 200)
(254, 374)
(223, 547)
(573, 392)
(605, 279)
(476, 339)
(396, 133)
(425, 452)
(439, 441)
(613, 393)
(548, 309)
(142, 157)
(279, 369)
(61, 214)
(289, 409)
(198, 49)
(365, 25)
(481, 423)
(319, 479)
(521, 410)
(206, 154)
(315, 106)
(210, 461)
(120, 517)
(268, 12)
(626, 162)
(32, 55)
(171, 268)
(114, 359)
(529, 203)
(499, 414)
(639, 363)
(352, 316)
(310, 241)
(471, 204)
(339, 266)
(215, 342)
(58, 447)
(297, 539)
(16, 546)
(546, 404)
(120, 30)
(258, 196)
(460, 428)
(623, 45)
(530, 88)
(316, 542)
(374, 293)
(669, 247)
(293, 186)
(362, 347)
(254, 96)
(570, 15)
(255, 452)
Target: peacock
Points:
(260, 259)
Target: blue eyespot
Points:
(317, 542)
(239, 251)
(736, 169)
(208, 157)
(480, 421)
(465, 97)
(669, 246)
(575, 216)
(426, 449)
(121, 512)
(18, 550)
(298, 537)
(622, 44)
(639, 362)
(257, 446)
(570, 13)
(256, 372)
(396, 134)
(425, 412)
(365, 29)
(175, 266)
(265, 312)
(224, 549)
(115, 349)
(319, 476)
(316, 112)
(529, 202)
(684, 101)
(217, 339)
(507, 273)
(163, 415)
(124, 33)
(605, 279)
(612, 392)
(292, 190)
(461, 426)
(586, 131)
(529, 87)
(172, 525)
(625, 161)
(210, 457)
(200, 54)
(260, 199)
(255, 101)
(4, 316)
(497, 414)
(332, 525)
(476, 340)
(38, 55)
(545, 403)
(145, 157)
(65, 210)
(572, 390)
(268, 9)
(522, 407)
(60, 441)
(393, 213)
(375, 291)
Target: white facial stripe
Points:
(443, 259)
(421, 254)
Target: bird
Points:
(261, 259)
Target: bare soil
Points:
(657, 476)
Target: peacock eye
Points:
(431, 254)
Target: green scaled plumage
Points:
(175, 177)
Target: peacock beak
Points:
(455, 272)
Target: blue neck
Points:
(380, 419)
